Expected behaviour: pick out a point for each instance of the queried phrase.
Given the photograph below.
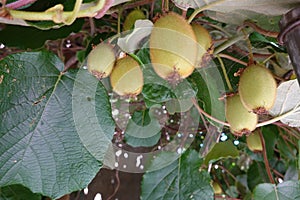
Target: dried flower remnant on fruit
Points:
(173, 48)
(101, 60)
(127, 77)
(257, 89)
(242, 121)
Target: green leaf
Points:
(30, 37)
(179, 180)
(17, 192)
(253, 178)
(221, 150)
(39, 144)
(208, 92)
(143, 129)
(288, 190)
(270, 134)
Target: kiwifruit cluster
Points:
(125, 74)
(256, 95)
(176, 49)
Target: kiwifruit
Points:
(205, 47)
(131, 18)
(173, 47)
(241, 120)
(217, 188)
(101, 60)
(254, 142)
(257, 89)
(127, 77)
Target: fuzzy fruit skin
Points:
(217, 188)
(240, 119)
(127, 77)
(131, 18)
(101, 60)
(205, 44)
(173, 47)
(257, 88)
(254, 142)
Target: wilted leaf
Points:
(287, 103)
(179, 180)
(39, 143)
(288, 190)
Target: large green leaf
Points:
(39, 144)
(17, 192)
(288, 190)
(179, 180)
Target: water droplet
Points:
(116, 164)
(124, 166)
(115, 112)
(191, 135)
(224, 138)
(179, 150)
(163, 107)
(125, 155)
(171, 121)
(191, 196)
(118, 153)
(179, 135)
(280, 180)
(2, 46)
(236, 142)
(138, 160)
(142, 167)
(216, 166)
(84, 67)
(159, 147)
(201, 145)
(86, 191)
(98, 196)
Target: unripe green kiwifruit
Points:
(131, 18)
(127, 77)
(101, 60)
(173, 48)
(254, 142)
(205, 48)
(241, 120)
(257, 89)
(217, 188)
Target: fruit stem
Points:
(119, 20)
(137, 59)
(207, 6)
(57, 15)
(201, 111)
(266, 158)
(246, 35)
(232, 59)
(225, 74)
(228, 43)
(260, 30)
(278, 118)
